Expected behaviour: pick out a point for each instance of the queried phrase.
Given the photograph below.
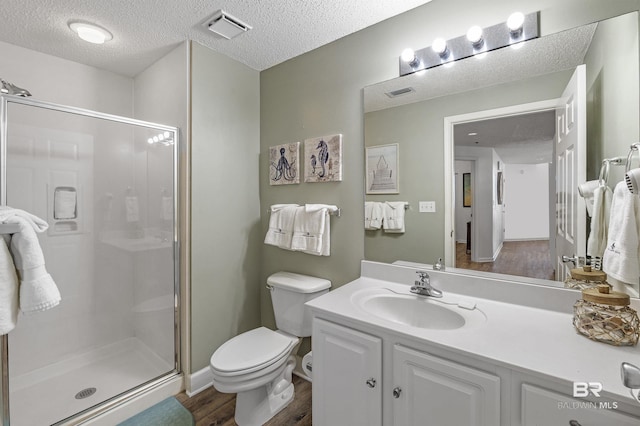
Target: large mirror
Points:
(489, 151)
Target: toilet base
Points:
(257, 406)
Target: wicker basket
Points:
(605, 316)
(583, 278)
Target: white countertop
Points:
(518, 337)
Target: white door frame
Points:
(449, 159)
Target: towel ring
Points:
(603, 178)
(634, 147)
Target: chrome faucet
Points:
(423, 287)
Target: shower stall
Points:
(107, 187)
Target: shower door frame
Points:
(4, 340)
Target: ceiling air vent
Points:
(226, 25)
(399, 92)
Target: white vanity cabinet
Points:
(433, 391)
(423, 389)
(347, 376)
(542, 407)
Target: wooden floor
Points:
(211, 407)
(521, 258)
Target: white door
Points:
(570, 153)
(347, 376)
(431, 391)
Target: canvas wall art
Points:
(323, 159)
(284, 164)
(382, 169)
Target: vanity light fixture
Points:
(439, 46)
(164, 138)
(477, 41)
(90, 32)
(474, 35)
(409, 56)
(515, 23)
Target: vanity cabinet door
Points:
(347, 376)
(541, 407)
(431, 391)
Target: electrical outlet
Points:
(427, 206)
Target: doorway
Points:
(513, 213)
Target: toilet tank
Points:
(289, 293)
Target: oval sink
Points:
(415, 311)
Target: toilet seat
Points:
(251, 351)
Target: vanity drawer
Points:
(541, 407)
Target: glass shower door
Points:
(105, 185)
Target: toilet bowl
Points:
(257, 364)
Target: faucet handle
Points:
(439, 266)
(423, 275)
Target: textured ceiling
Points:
(145, 30)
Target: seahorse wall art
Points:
(284, 163)
(323, 159)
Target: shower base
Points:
(48, 395)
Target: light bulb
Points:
(408, 55)
(156, 139)
(150, 141)
(161, 136)
(474, 35)
(167, 135)
(439, 46)
(515, 22)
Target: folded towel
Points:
(597, 242)
(38, 291)
(621, 257)
(393, 221)
(586, 191)
(281, 221)
(8, 290)
(373, 214)
(311, 229)
(132, 208)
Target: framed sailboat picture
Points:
(383, 164)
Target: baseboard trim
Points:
(199, 381)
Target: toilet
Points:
(257, 364)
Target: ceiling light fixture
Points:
(90, 32)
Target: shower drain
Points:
(85, 393)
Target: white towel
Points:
(393, 221)
(8, 290)
(373, 213)
(312, 229)
(281, 221)
(621, 257)
(38, 291)
(132, 208)
(586, 191)
(597, 242)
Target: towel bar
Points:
(335, 213)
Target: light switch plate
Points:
(427, 206)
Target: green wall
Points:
(320, 93)
(225, 212)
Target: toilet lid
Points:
(251, 351)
